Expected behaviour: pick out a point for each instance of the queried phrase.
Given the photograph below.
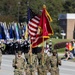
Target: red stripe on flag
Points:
(44, 29)
(33, 27)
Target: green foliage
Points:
(55, 41)
(54, 7)
(69, 6)
(7, 19)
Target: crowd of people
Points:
(69, 50)
(39, 63)
(11, 46)
(34, 62)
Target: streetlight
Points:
(18, 11)
(63, 34)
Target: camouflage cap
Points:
(19, 52)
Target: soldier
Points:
(31, 63)
(7, 46)
(26, 46)
(53, 62)
(2, 47)
(42, 66)
(10, 45)
(18, 64)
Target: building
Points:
(67, 23)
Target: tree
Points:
(69, 6)
(54, 7)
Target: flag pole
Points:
(43, 52)
(30, 53)
(43, 46)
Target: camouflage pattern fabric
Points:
(54, 62)
(31, 64)
(19, 65)
(42, 66)
(1, 49)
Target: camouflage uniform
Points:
(53, 62)
(2, 47)
(42, 66)
(19, 65)
(0, 55)
(31, 64)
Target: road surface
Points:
(67, 68)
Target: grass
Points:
(54, 41)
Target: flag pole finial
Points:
(44, 6)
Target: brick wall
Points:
(70, 28)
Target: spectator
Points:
(68, 55)
(50, 45)
(69, 46)
(47, 47)
(49, 53)
(65, 54)
(74, 48)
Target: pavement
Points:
(67, 68)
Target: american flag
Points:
(39, 28)
(33, 27)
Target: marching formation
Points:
(39, 63)
(34, 63)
